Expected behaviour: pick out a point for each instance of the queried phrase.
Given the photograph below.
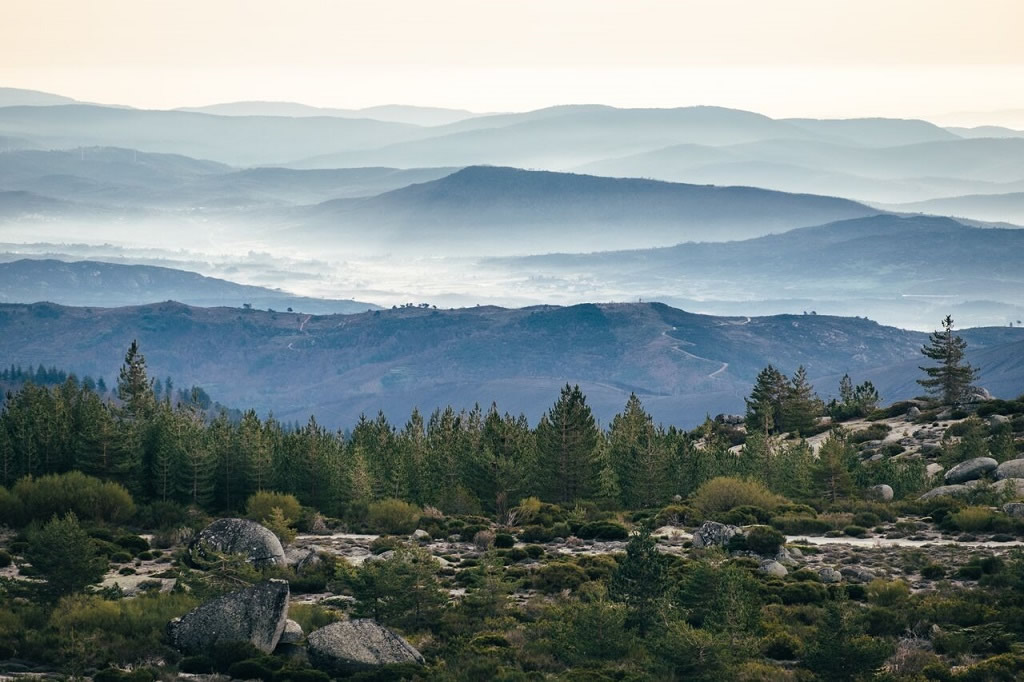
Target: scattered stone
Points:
(240, 536)
(970, 470)
(977, 394)
(302, 559)
(946, 490)
(255, 614)
(998, 420)
(1013, 486)
(713, 533)
(933, 469)
(358, 644)
(881, 492)
(773, 568)
(856, 574)
(913, 413)
(1011, 468)
(1015, 509)
(421, 535)
(785, 556)
(830, 575)
(292, 633)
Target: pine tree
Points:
(566, 444)
(134, 387)
(832, 470)
(638, 456)
(640, 582)
(951, 379)
(800, 407)
(764, 406)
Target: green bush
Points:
(797, 524)
(973, 519)
(781, 646)
(764, 540)
(866, 519)
(558, 576)
(721, 494)
(385, 543)
(855, 531)
(120, 557)
(5, 559)
(933, 572)
(395, 516)
(64, 554)
(88, 498)
(251, 669)
(504, 541)
(133, 543)
(603, 530)
(536, 534)
(805, 592)
(677, 515)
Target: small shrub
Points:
(764, 540)
(855, 531)
(5, 559)
(805, 592)
(120, 557)
(867, 519)
(558, 576)
(800, 525)
(677, 515)
(133, 543)
(603, 530)
(483, 540)
(385, 543)
(504, 541)
(721, 494)
(536, 534)
(933, 572)
(251, 669)
(393, 516)
(781, 646)
(973, 519)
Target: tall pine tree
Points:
(951, 379)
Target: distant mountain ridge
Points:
(98, 284)
(682, 365)
(494, 208)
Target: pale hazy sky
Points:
(781, 57)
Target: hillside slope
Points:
(682, 365)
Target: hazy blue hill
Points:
(91, 283)
(681, 364)
(562, 137)
(20, 204)
(986, 131)
(875, 132)
(914, 269)
(490, 206)
(395, 113)
(905, 172)
(13, 97)
(1007, 207)
(127, 176)
(239, 140)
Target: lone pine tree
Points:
(951, 379)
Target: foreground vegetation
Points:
(514, 552)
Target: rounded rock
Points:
(357, 645)
(970, 470)
(1011, 468)
(241, 536)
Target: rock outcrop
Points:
(970, 470)
(946, 490)
(712, 533)
(358, 644)
(774, 569)
(292, 633)
(881, 492)
(1011, 468)
(255, 614)
(240, 536)
(1015, 509)
(830, 575)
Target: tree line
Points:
(468, 461)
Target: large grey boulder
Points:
(946, 491)
(773, 569)
(302, 558)
(970, 470)
(292, 633)
(255, 614)
(241, 536)
(358, 644)
(856, 574)
(933, 469)
(913, 413)
(829, 575)
(1013, 486)
(1015, 509)
(881, 492)
(1011, 468)
(712, 533)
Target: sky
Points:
(779, 57)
